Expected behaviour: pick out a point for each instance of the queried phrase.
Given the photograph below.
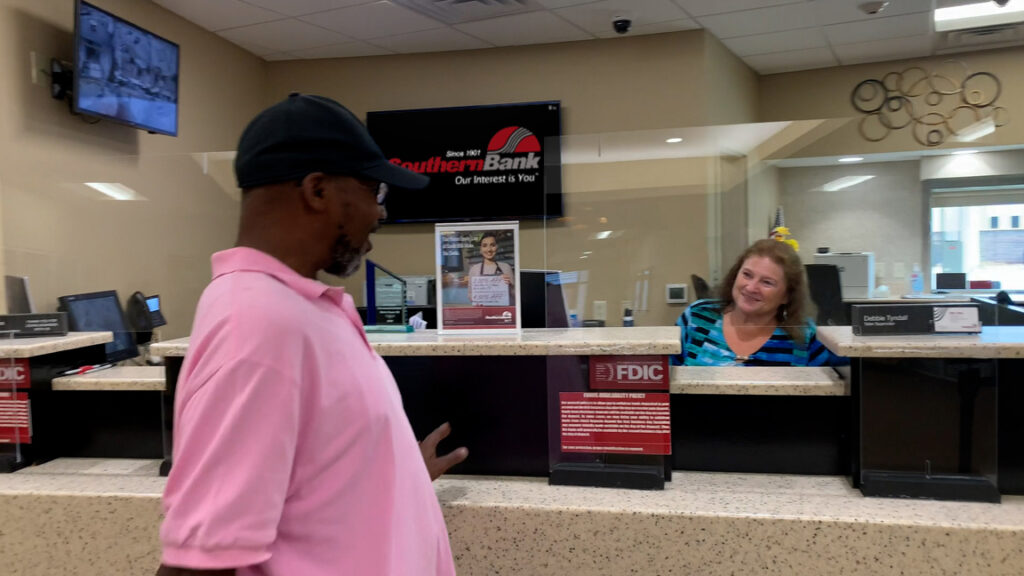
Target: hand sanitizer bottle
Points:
(627, 317)
(916, 280)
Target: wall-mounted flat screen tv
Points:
(123, 72)
(498, 162)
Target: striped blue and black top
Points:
(704, 343)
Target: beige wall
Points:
(825, 93)
(605, 86)
(65, 237)
(885, 215)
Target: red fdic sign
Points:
(615, 422)
(15, 418)
(629, 372)
(14, 373)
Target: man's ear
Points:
(314, 194)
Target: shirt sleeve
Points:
(680, 359)
(818, 354)
(235, 439)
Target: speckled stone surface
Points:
(655, 340)
(757, 380)
(993, 342)
(133, 378)
(707, 524)
(29, 347)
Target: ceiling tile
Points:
(552, 4)
(300, 7)
(284, 35)
(373, 20)
(655, 28)
(344, 50)
(761, 21)
(219, 15)
(707, 7)
(880, 29)
(256, 49)
(596, 17)
(791, 61)
(881, 50)
(777, 42)
(836, 11)
(532, 28)
(437, 40)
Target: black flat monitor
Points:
(101, 312)
(19, 300)
(541, 298)
(951, 281)
(123, 72)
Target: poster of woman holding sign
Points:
(477, 265)
(490, 280)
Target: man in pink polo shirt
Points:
(292, 453)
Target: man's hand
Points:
(438, 465)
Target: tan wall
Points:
(885, 215)
(62, 235)
(605, 86)
(825, 93)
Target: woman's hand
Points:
(507, 279)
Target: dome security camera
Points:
(1001, 3)
(872, 7)
(621, 25)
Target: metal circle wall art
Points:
(935, 105)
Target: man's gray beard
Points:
(347, 259)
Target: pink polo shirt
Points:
(292, 452)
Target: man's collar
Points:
(243, 258)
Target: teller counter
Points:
(494, 391)
(101, 518)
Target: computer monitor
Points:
(19, 300)
(101, 312)
(827, 294)
(951, 281)
(542, 300)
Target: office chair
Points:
(827, 294)
(700, 287)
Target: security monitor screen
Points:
(125, 73)
(101, 312)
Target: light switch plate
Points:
(601, 310)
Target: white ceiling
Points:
(771, 36)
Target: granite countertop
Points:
(128, 378)
(757, 380)
(656, 340)
(819, 499)
(102, 517)
(29, 347)
(993, 342)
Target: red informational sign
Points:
(14, 373)
(15, 418)
(629, 372)
(472, 318)
(615, 422)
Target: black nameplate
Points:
(31, 325)
(881, 319)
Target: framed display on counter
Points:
(478, 277)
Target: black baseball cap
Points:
(304, 134)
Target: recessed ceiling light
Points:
(603, 234)
(959, 152)
(851, 159)
(674, 140)
(115, 190)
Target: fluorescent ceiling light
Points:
(115, 190)
(845, 182)
(603, 235)
(978, 15)
(961, 152)
(674, 140)
(851, 159)
(979, 129)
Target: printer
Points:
(856, 271)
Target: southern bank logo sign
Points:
(513, 148)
